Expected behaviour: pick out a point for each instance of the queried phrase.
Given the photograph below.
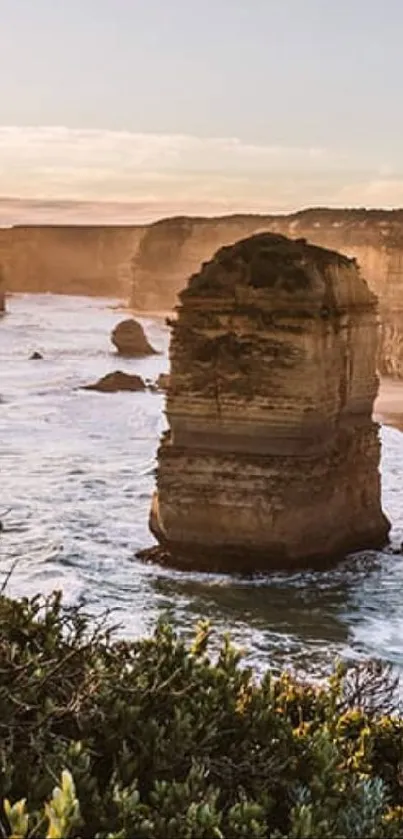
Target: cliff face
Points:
(174, 248)
(375, 240)
(69, 260)
(271, 458)
(148, 265)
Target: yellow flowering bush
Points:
(156, 739)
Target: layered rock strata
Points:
(271, 458)
(69, 259)
(172, 249)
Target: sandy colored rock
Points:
(69, 259)
(388, 407)
(163, 382)
(149, 264)
(172, 249)
(271, 458)
(130, 339)
(113, 382)
(160, 385)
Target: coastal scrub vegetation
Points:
(161, 739)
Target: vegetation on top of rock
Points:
(158, 739)
(265, 260)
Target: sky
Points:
(199, 106)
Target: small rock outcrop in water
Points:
(130, 340)
(162, 382)
(160, 385)
(113, 382)
(36, 356)
(271, 458)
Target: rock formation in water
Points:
(114, 382)
(149, 264)
(161, 385)
(172, 249)
(130, 339)
(63, 259)
(36, 356)
(162, 382)
(271, 458)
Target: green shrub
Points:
(156, 739)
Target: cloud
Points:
(185, 173)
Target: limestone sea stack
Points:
(271, 458)
(130, 339)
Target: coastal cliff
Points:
(271, 458)
(172, 249)
(147, 265)
(69, 259)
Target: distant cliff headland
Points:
(69, 259)
(148, 265)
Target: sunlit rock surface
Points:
(271, 458)
(69, 259)
(172, 249)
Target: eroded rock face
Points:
(69, 259)
(130, 339)
(271, 458)
(113, 382)
(172, 249)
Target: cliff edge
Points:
(69, 259)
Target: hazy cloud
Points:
(156, 172)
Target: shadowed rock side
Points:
(114, 382)
(130, 339)
(172, 249)
(69, 259)
(271, 458)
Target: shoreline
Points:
(388, 406)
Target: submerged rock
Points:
(130, 340)
(113, 382)
(272, 457)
